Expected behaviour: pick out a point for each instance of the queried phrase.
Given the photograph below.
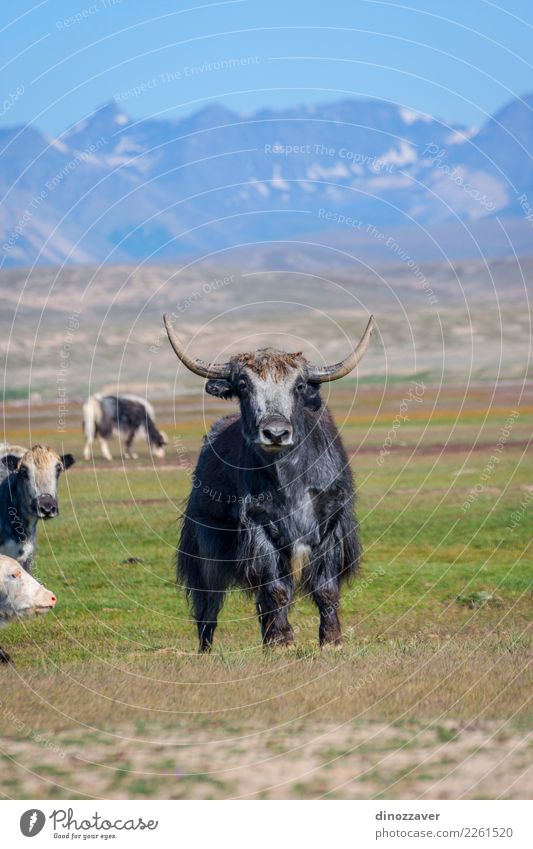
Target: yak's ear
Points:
(312, 398)
(67, 460)
(10, 462)
(220, 388)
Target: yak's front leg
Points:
(326, 597)
(274, 597)
(273, 601)
(325, 575)
(273, 581)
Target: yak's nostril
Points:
(53, 599)
(276, 434)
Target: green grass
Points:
(422, 553)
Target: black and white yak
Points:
(272, 502)
(28, 493)
(129, 415)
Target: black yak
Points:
(272, 501)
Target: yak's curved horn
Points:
(323, 374)
(198, 367)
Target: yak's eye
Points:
(59, 468)
(300, 386)
(242, 386)
(23, 471)
(15, 575)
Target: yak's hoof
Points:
(5, 657)
(280, 641)
(337, 644)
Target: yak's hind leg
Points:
(104, 447)
(206, 604)
(205, 580)
(88, 448)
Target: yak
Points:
(28, 493)
(127, 414)
(20, 596)
(271, 508)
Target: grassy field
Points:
(430, 697)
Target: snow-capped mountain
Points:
(112, 189)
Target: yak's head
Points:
(20, 594)
(272, 387)
(38, 473)
(158, 445)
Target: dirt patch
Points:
(348, 761)
(436, 448)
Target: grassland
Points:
(431, 696)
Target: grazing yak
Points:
(272, 501)
(27, 494)
(127, 414)
(20, 595)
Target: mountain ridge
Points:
(115, 189)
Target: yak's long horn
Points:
(199, 367)
(323, 374)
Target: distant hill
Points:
(77, 327)
(342, 175)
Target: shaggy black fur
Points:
(248, 509)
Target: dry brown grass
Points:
(395, 681)
(424, 718)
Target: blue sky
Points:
(61, 58)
